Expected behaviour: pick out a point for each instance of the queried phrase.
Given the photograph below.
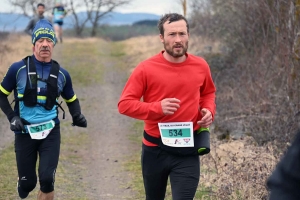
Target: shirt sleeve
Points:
(7, 85)
(130, 103)
(68, 93)
(29, 27)
(207, 93)
(9, 81)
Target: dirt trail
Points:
(109, 145)
(6, 134)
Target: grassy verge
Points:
(83, 60)
(71, 166)
(134, 163)
(8, 173)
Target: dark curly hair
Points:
(171, 17)
(40, 4)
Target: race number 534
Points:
(175, 132)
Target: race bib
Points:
(177, 134)
(41, 130)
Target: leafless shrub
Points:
(258, 76)
(237, 169)
(257, 79)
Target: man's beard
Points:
(174, 53)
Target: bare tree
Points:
(94, 9)
(29, 6)
(79, 22)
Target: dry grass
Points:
(141, 48)
(82, 40)
(237, 169)
(13, 48)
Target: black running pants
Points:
(27, 153)
(158, 165)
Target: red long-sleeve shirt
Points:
(156, 79)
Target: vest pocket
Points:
(30, 98)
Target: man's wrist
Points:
(11, 115)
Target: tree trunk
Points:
(94, 29)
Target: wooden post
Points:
(183, 3)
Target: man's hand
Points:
(206, 120)
(170, 105)
(16, 124)
(79, 120)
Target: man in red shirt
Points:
(178, 107)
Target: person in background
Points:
(178, 107)
(37, 17)
(58, 15)
(284, 182)
(37, 81)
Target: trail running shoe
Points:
(21, 193)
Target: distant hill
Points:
(17, 22)
(146, 22)
(12, 22)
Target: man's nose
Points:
(177, 38)
(45, 43)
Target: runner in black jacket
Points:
(36, 82)
(35, 19)
(284, 183)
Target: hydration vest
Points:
(30, 94)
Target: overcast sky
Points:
(158, 7)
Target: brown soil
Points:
(109, 144)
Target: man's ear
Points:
(33, 48)
(161, 38)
